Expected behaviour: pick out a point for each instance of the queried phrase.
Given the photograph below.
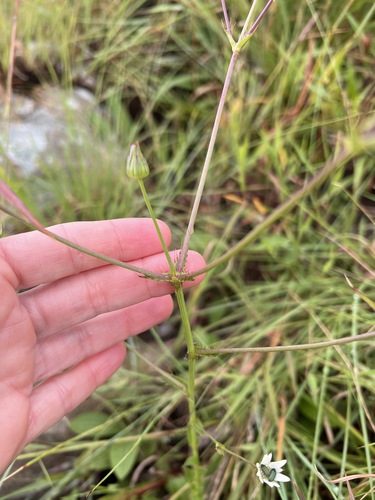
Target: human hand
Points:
(66, 331)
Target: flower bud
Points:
(136, 165)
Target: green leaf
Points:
(96, 461)
(123, 457)
(91, 419)
(86, 421)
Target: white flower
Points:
(270, 472)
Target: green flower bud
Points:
(136, 165)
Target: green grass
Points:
(305, 79)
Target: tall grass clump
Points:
(274, 351)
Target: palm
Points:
(74, 316)
(17, 368)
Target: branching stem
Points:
(245, 35)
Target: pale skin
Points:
(67, 330)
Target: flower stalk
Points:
(152, 214)
(137, 168)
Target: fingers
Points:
(75, 299)
(58, 352)
(36, 258)
(59, 395)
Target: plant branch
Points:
(92, 253)
(245, 35)
(282, 348)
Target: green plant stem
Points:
(300, 347)
(246, 26)
(152, 214)
(192, 436)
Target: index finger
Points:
(36, 258)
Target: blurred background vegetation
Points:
(156, 69)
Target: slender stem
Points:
(245, 28)
(202, 180)
(343, 156)
(226, 17)
(260, 17)
(151, 212)
(236, 48)
(185, 321)
(197, 482)
(87, 251)
(282, 348)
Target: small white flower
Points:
(270, 472)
